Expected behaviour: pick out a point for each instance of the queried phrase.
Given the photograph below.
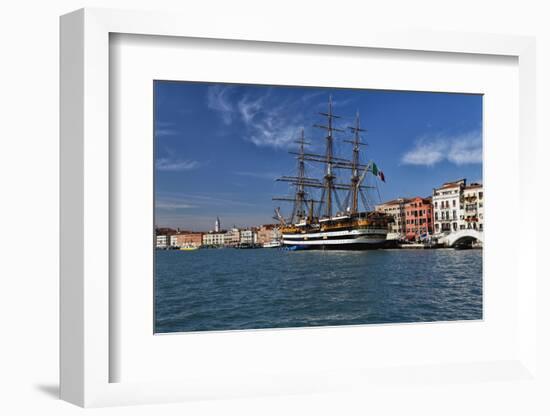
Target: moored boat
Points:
(272, 244)
(188, 248)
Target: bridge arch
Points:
(452, 239)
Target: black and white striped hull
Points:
(355, 239)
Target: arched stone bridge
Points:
(461, 236)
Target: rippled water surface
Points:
(222, 289)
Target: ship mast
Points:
(300, 196)
(355, 177)
(329, 190)
(300, 182)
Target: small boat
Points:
(188, 248)
(246, 246)
(420, 245)
(272, 244)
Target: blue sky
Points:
(219, 147)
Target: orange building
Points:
(418, 218)
(267, 233)
(188, 239)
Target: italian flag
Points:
(377, 172)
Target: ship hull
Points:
(365, 239)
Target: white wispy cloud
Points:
(218, 98)
(267, 123)
(165, 128)
(260, 175)
(425, 152)
(224, 200)
(274, 129)
(467, 149)
(170, 205)
(165, 132)
(249, 108)
(168, 164)
(307, 97)
(458, 149)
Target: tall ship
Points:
(329, 221)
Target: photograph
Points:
(280, 206)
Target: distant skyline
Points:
(219, 147)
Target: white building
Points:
(248, 237)
(162, 241)
(213, 239)
(217, 225)
(473, 207)
(232, 237)
(447, 207)
(458, 206)
(174, 241)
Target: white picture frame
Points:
(86, 218)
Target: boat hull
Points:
(361, 239)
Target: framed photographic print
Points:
(282, 213)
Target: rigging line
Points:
(378, 191)
(320, 207)
(346, 200)
(364, 200)
(311, 167)
(303, 207)
(371, 183)
(338, 200)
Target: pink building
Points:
(418, 218)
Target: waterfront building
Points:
(172, 240)
(268, 233)
(232, 237)
(472, 215)
(447, 206)
(162, 241)
(418, 218)
(186, 239)
(395, 208)
(214, 238)
(248, 237)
